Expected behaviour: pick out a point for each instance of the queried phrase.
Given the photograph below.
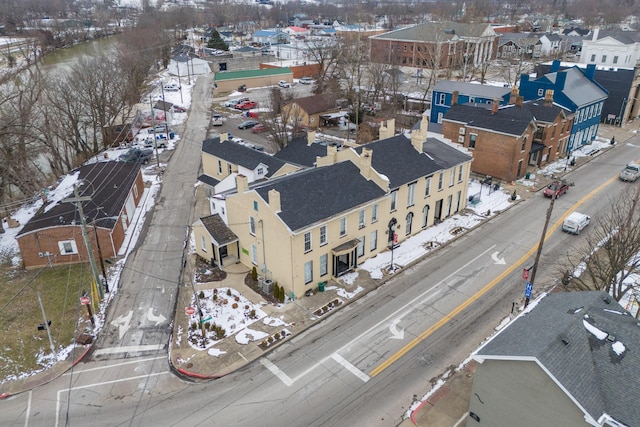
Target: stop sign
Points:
(85, 300)
(189, 311)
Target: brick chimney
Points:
(274, 200)
(311, 137)
(519, 100)
(242, 183)
(224, 136)
(495, 105)
(454, 97)
(387, 128)
(514, 93)
(548, 98)
(419, 136)
(596, 32)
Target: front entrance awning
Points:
(536, 146)
(346, 247)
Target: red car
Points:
(247, 105)
(557, 187)
(259, 128)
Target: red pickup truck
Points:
(247, 105)
(557, 187)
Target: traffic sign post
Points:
(525, 273)
(84, 300)
(528, 290)
(189, 311)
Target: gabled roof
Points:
(579, 89)
(398, 160)
(163, 105)
(245, 74)
(587, 343)
(206, 179)
(315, 104)
(240, 155)
(437, 31)
(443, 154)
(312, 195)
(511, 120)
(107, 183)
(298, 152)
(218, 230)
(544, 113)
(624, 37)
(471, 89)
(265, 33)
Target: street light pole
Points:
(153, 125)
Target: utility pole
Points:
(537, 259)
(46, 324)
(104, 271)
(153, 126)
(85, 236)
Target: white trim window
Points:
(427, 189)
(308, 272)
(307, 241)
(323, 235)
(411, 194)
(374, 213)
(360, 250)
(252, 226)
(343, 226)
(324, 262)
(394, 198)
(203, 243)
(460, 173)
(440, 181)
(452, 176)
(254, 254)
(373, 242)
(68, 247)
(361, 221)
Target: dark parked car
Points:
(137, 155)
(179, 109)
(247, 124)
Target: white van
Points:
(216, 120)
(575, 222)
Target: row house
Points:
(446, 93)
(435, 45)
(504, 141)
(577, 91)
(319, 223)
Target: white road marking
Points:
(98, 385)
(395, 333)
(288, 381)
(240, 354)
(26, 417)
(129, 349)
(276, 371)
(153, 318)
(460, 420)
(351, 368)
(81, 371)
(122, 323)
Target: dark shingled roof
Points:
(108, 184)
(240, 155)
(398, 160)
(316, 103)
(208, 180)
(443, 154)
(511, 120)
(600, 379)
(299, 153)
(315, 194)
(218, 230)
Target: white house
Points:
(611, 48)
(183, 65)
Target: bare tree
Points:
(611, 252)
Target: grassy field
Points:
(20, 314)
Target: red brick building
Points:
(54, 234)
(435, 45)
(506, 141)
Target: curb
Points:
(413, 413)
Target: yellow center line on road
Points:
(384, 365)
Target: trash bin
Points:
(527, 175)
(320, 286)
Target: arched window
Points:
(425, 215)
(409, 221)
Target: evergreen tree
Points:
(216, 42)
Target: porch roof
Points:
(536, 146)
(218, 230)
(345, 247)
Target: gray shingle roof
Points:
(299, 153)
(240, 155)
(485, 91)
(316, 194)
(443, 154)
(579, 89)
(108, 184)
(511, 120)
(206, 179)
(624, 37)
(437, 31)
(396, 158)
(600, 379)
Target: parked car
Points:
(172, 87)
(307, 81)
(247, 124)
(216, 120)
(137, 155)
(284, 84)
(233, 103)
(179, 109)
(242, 88)
(557, 188)
(159, 129)
(630, 173)
(259, 128)
(247, 105)
(160, 143)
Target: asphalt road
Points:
(361, 366)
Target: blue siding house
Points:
(467, 93)
(577, 91)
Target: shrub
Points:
(215, 297)
(201, 294)
(254, 274)
(237, 298)
(207, 325)
(215, 291)
(235, 305)
(228, 292)
(276, 290)
(246, 307)
(253, 314)
(488, 212)
(263, 343)
(270, 340)
(276, 336)
(194, 326)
